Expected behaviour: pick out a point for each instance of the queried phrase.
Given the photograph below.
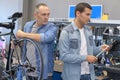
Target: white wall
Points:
(59, 8)
(7, 8)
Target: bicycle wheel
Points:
(26, 61)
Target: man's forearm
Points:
(33, 36)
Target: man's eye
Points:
(88, 14)
(43, 14)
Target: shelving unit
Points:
(104, 23)
(93, 22)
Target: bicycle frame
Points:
(31, 67)
(3, 51)
(11, 33)
(10, 25)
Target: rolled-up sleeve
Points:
(49, 35)
(42, 37)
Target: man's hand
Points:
(20, 34)
(91, 59)
(105, 47)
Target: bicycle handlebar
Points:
(16, 15)
(11, 25)
(8, 25)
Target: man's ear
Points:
(78, 13)
(35, 14)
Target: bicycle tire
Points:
(27, 61)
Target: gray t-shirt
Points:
(31, 50)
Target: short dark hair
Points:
(81, 7)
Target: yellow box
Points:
(105, 16)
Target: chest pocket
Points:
(91, 40)
(74, 43)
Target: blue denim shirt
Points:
(47, 36)
(69, 47)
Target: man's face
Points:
(42, 15)
(84, 17)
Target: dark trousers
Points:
(49, 78)
(85, 77)
(31, 78)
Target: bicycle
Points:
(22, 64)
(2, 52)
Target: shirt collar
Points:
(74, 26)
